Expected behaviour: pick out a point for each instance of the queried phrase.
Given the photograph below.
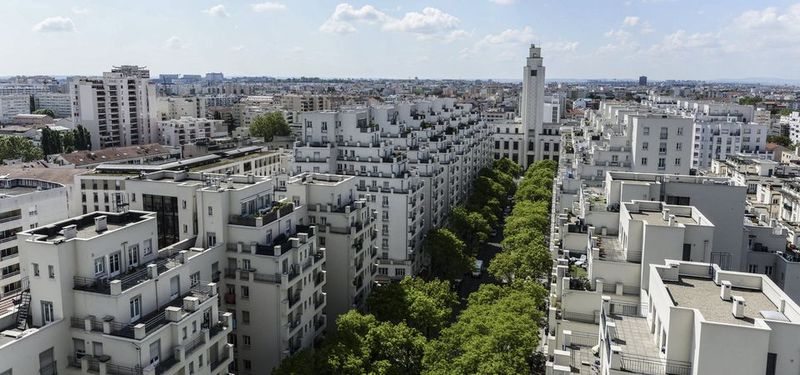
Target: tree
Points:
(269, 125)
(422, 305)
(496, 334)
(507, 166)
(470, 226)
(750, 100)
(68, 142)
(83, 140)
(362, 345)
(45, 111)
(51, 141)
(448, 257)
(14, 147)
(780, 139)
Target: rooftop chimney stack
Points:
(70, 231)
(738, 307)
(101, 223)
(725, 290)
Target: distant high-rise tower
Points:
(118, 109)
(643, 81)
(532, 103)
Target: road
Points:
(470, 284)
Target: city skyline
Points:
(433, 39)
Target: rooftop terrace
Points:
(703, 295)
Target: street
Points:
(470, 284)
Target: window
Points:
(35, 269)
(662, 147)
(211, 239)
(646, 130)
(246, 340)
(753, 268)
(644, 161)
(174, 287)
(114, 264)
(147, 246)
(99, 266)
(136, 308)
(246, 364)
(664, 133)
(662, 163)
(194, 279)
(680, 131)
(677, 161)
(245, 292)
(155, 352)
(210, 211)
(400, 272)
(383, 271)
(645, 145)
(245, 317)
(48, 316)
(133, 255)
(768, 270)
(51, 271)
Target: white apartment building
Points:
(104, 299)
(660, 143)
(118, 109)
(717, 140)
(509, 140)
(703, 320)
(24, 204)
(273, 275)
(183, 130)
(792, 122)
(12, 105)
(417, 159)
(60, 104)
(173, 108)
(346, 227)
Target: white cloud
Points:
(509, 36)
(80, 10)
(430, 21)
(681, 41)
(55, 24)
(341, 21)
(174, 43)
(427, 24)
(631, 21)
(457, 34)
(503, 2)
(217, 11)
(267, 7)
(560, 46)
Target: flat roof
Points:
(656, 218)
(703, 294)
(85, 225)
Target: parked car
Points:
(476, 272)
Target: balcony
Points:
(221, 358)
(319, 322)
(145, 325)
(293, 297)
(278, 210)
(96, 364)
(319, 300)
(319, 278)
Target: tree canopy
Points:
(45, 111)
(269, 125)
(13, 147)
(423, 305)
(448, 254)
(470, 226)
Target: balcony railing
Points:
(294, 298)
(220, 360)
(653, 366)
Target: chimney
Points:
(665, 214)
(101, 223)
(70, 231)
(725, 290)
(671, 220)
(738, 307)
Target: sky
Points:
(580, 39)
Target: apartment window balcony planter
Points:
(319, 300)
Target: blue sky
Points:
(663, 39)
